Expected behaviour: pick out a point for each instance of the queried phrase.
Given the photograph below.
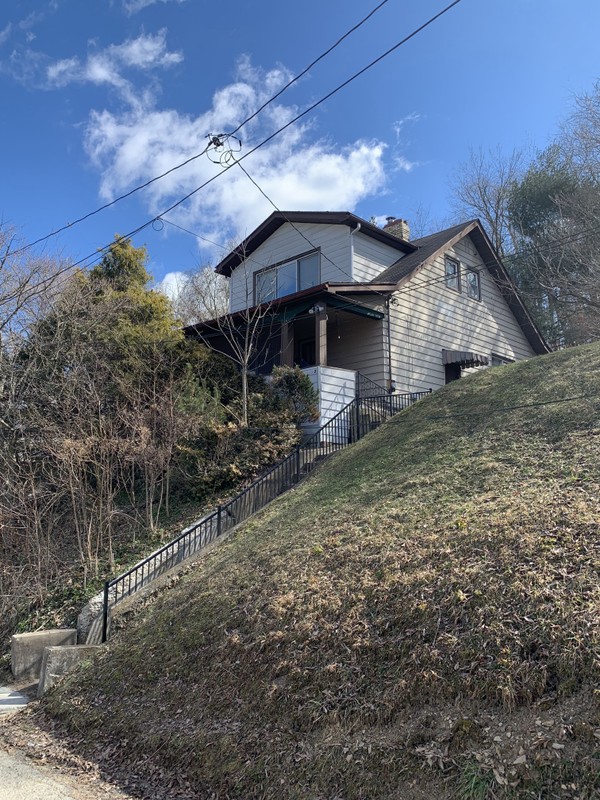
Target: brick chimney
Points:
(397, 227)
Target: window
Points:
(473, 284)
(287, 278)
(498, 361)
(452, 274)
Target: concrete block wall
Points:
(27, 650)
(57, 661)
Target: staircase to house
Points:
(357, 418)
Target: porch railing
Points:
(362, 415)
(365, 387)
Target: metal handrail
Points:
(349, 425)
(365, 387)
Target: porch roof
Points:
(287, 308)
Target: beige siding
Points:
(357, 343)
(428, 318)
(371, 257)
(287, 242)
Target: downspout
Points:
(352, 232)
(391, 301)
(388, 303)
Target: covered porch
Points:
(336, 335)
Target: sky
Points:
(100, 97)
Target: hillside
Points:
(419, 619)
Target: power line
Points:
(505, 409)
(204, 151)
(309, 67)
(209, 241)
(265, 141)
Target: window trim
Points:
(503, 360)
(277, 265)
(451, 260)
(477, 272)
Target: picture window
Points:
(287, 278)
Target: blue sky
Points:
(100, 97)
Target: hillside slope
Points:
(420, 618)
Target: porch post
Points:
(321, 338)
(287, 344)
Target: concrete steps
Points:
(11, 700)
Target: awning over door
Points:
(464, 358)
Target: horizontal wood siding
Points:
(356, 342)
(287, 243)
(428, 318)
(336, 387)
(371, 257)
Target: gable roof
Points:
(430, 247)
(279, 218)
(426, 249)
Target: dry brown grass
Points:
(381, 630)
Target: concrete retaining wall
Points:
(57, 661)
(27, 650)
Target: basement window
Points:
(452, 274)
(498, 361)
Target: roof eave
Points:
(278, 218)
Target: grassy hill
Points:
(419, 619)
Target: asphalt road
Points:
(21, 780)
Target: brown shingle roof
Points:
(279, 218)
(427, 247)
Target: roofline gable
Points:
(278, 218)
(498, 271)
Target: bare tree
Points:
(579, 137)
(245, 336)
(481, 187)
(201, 295)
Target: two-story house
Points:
(344, 298)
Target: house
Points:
(363, 308)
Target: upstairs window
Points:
(287, 278)
(473, 281)
(452, 274)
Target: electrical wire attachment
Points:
(222, 148)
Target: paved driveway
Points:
(20, 780)
(23, 779)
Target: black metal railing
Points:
(365, 387)
(362, 415)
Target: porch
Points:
(332, 335)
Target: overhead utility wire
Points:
(308, 68)
(279, 130)
(197, 155)
(414, 285)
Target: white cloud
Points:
(295, 170)
(133, 6)
(5, 33)
(172, 284)
(145, 53)
(399, 124)
(403, 164)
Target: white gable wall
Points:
(371, 257)
(432, 317)
(287, 243)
